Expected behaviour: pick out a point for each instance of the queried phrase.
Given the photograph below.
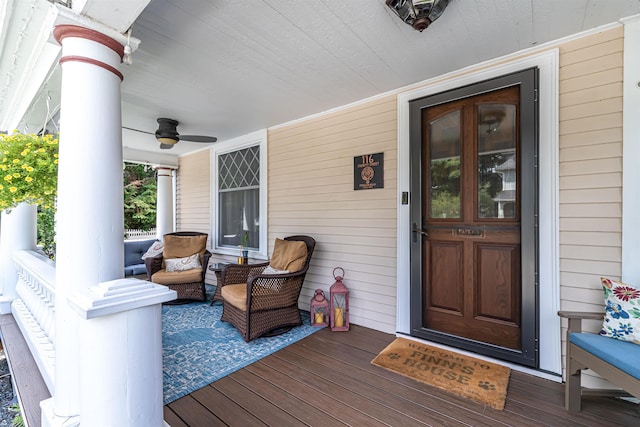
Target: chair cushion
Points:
(622, 315)
(164, 277)
(235, 295)
(182, 264)
(623, 355)
(289, 255)
(183, 246)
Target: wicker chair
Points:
(260, 304)
(188, 284)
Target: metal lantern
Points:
(319, 309)
(339, 304)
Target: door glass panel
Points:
(497, 161)
(444, 157)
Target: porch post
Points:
(17, 232)
(108, 354)
(90, 219)
(164, 202)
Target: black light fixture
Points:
(418, 13)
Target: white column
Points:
(18, 231)
(164, 202)
(90, 230)
(108, 367)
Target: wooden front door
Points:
(470, 224)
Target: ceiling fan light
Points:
(418, 13)
(167, 140)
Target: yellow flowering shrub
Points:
(29, 167)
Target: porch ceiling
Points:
(227, 68)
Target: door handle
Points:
(417, 230)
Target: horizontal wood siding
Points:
(590, 171)
(193, 198)
(590, 166)
(311, 192)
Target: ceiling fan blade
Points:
(198, 138)
(166, 146)
(138, 130)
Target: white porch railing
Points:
(134, 234)
(34, 309)
(104, 321)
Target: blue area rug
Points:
(198, 348)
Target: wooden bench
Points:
(29, 384)
(615, 360)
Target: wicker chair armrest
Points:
(239, 273)
(205, 263)
(153, 265)
(267, 291)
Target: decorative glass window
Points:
(239, 195)
(239, 198)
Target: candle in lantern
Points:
(339, 317)
(319, 317)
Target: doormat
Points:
(476, 379)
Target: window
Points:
(239, 194)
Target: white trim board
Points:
(631, 153)
(549, 289)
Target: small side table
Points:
(217, 269)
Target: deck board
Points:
(327, 379)
(28, 383)
(294, 387)
(253, 402)
(193, 413)
(172, 419)
(384, 391)
(297, 407)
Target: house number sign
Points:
(368, 171)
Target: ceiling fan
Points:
(167, 134)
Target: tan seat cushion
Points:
(289, 255)
(235, 295)
(164, 277)
(184, 246)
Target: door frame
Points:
(527, 81)
(548, 237)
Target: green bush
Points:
(29, 174)
(17, 420)
(140, 192)
(46, 231)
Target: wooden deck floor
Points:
(27, 381)
(326, 379)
